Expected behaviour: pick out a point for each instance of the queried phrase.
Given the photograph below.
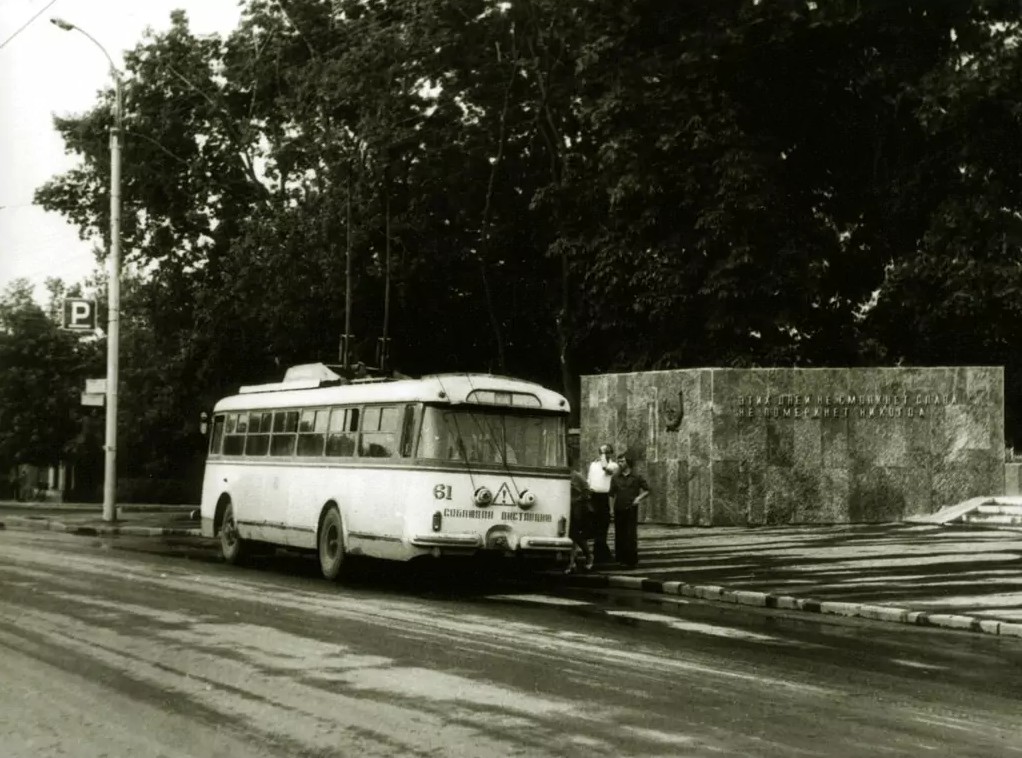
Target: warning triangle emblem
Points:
(504, 496)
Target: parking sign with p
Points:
(79, 314)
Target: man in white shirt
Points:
(601, 472)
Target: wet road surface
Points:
(120, 646)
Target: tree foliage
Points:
(563, 188)
(41, 384)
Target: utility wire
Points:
(25, 25)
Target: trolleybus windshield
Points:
(492, 437)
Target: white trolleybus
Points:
(394, 469)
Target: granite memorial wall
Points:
(777, 446)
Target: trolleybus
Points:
(449, 464)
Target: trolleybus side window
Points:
(342, 432)
(285, 427)
(381, 426)
(258, 440)
(216, 438)
(234, 434)
(312, 430)
(408, 431)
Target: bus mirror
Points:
(203, 423)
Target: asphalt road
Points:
(120, 646)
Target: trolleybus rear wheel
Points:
(331, 544)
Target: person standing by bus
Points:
(581, 519)
(601, 473)
(628, 490)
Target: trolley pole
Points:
(346, 355)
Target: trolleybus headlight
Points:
(482, 497)
(526, 500)
(437, 518)
(562, 526)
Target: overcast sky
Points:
(46, 71)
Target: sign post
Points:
(113, 333)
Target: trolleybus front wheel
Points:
(233, 548)
(331, 544)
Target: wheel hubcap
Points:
(331, 542)
(230, 535)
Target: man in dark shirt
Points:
(580, 522)
(628, 489)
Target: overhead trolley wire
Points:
(27, 23)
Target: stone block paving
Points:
(951, 576)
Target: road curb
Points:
(758, 599)
(42, 525)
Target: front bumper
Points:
(545, 543)
(526, 544)
(441, 539)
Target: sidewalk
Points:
(929, 575)
(87, 519)
(956, 577)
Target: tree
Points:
(759, 165)
(41, 384)
(551, 189)
(955, 297)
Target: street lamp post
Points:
(113, 288)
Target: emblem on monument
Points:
(673, 416)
